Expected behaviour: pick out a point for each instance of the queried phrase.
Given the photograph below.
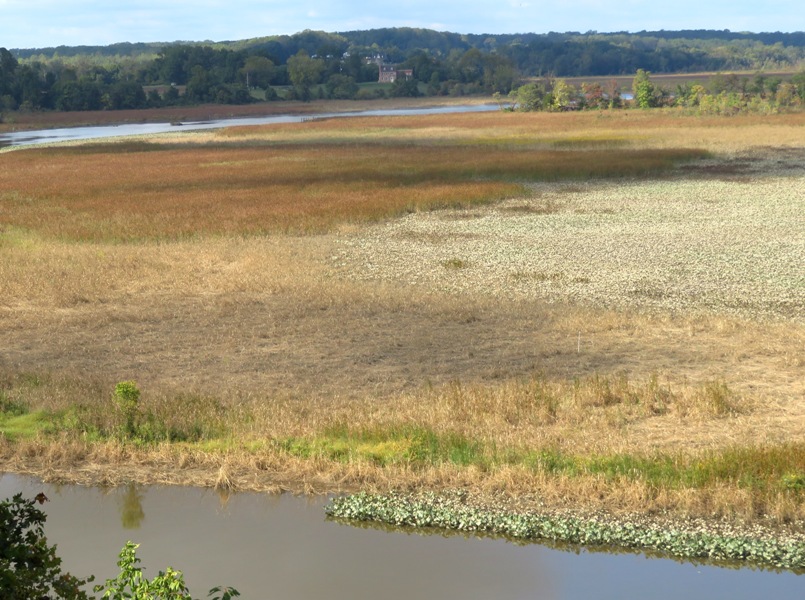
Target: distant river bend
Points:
(49, 136)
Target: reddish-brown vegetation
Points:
(136, 190)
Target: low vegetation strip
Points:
(137, 191)
(451, 513)
(38, 415)
(764, 471)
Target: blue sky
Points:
(41, 23)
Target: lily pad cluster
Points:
(433, 510)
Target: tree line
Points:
(341, 65)
(721, 94)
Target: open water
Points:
(283, 547)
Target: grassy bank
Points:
(546, 310)
(557, 438)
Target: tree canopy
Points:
(333, 64)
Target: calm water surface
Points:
(26, 138)
(282, 547)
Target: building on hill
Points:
(390, 73)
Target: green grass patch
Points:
(23, 426)
(398, 445)
(762, 469)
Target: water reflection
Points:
(283, 547)
(131, 507)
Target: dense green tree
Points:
(172, 97)
(153, 99)
(29, 89)
(304, 72)
(126, 95)
(341, 87)
(8, 71)
(257, 72)
(447, 63)
(202, 86)
(531, 97)
(499, 74)
(79, 95)
(563, 94)
(405, 88)
(425, 66)
(644, 90)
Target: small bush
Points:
(167, 585)
(455, 263)
(127, 396)
(794, 482)
(10, 407)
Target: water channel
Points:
(283, 547)
(42, 136)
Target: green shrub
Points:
(130, 583)
(794, 482)
(127, 396)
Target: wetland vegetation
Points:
(592, 311)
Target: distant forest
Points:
(345, 65)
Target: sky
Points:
(46, 23)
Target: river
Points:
(42, 136)
(283, 547)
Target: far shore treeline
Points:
(314, 64)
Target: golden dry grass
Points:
(136, 191)
(276, 331)
(142, 192)
(627, 128)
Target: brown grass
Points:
(271, 333)
(539, 130)
(132, 191)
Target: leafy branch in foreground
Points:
(130, 583)
(30, 569)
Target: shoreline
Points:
(692, 539)
(721, 541)
(208, 112)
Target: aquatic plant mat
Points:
(690, 540)
(588, 310)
